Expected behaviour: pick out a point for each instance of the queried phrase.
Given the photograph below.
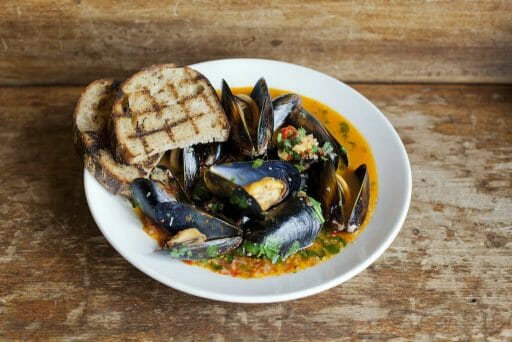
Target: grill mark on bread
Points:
(192, 96)
(168, 126)
(139, 130)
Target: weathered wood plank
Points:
(48, 42)
(448, 275)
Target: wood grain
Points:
(74, 42)
(448, 275)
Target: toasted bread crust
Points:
(90, 136)
(164, 107)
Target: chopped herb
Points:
(302, 132)
(300, 167)
(216, 266)
(333, 249)
(317, 209)
(215, 207)
(212, 251)
(279, 137)
(344, 128)
(257, 163)
(230, 258)
(269, 249)
(179, 252)
(240, 201)
(342, 240)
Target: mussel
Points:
(195, 231)
(286, 229)
(251, 119)
(253, 187)
(337, 197)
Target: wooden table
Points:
(448, 275)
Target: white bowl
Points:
(122, 228)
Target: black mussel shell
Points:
(148, 195)
(360, 209)
(210, 154)
(291, 226)
(228, 180)
(177, 216)
(265, 128)
(284, 106)
(206, 250)
(185, 166)
(302, 118)
(322, 185)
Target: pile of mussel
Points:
(239, 195)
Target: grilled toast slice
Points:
(164, 107)
(90, 136)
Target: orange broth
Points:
(329, 242)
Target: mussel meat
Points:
(253, 186)
(251, 119)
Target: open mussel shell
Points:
(291, 226)
(362, 200)
(251, 119)
(302, 118)
(231, 181)
(284, 106)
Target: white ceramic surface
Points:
(117, 221)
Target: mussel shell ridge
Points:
(176, 216)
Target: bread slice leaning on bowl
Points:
(164, 107)
(91, 139)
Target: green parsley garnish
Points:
(257, 163)
(179, 252)
(240, 201)
(344, 128)
(269, 249)
(317, 207)
(212, 251)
